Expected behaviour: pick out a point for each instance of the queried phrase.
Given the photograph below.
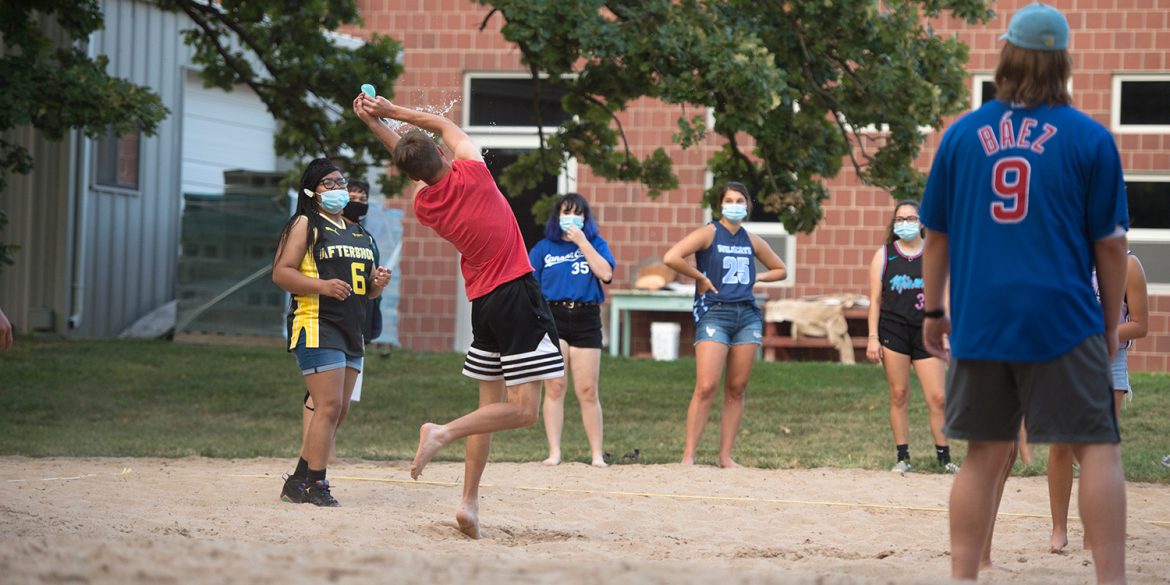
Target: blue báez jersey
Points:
(730, 264)
(1022, 195)
(563, 272)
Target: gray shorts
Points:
(1065, 400)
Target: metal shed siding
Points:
(133, 238)
(35, 287)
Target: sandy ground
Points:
(220, 521)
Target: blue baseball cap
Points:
(1038, 27)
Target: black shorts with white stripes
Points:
(514, 337)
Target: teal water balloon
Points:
(369, 90)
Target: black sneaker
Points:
(317, 493)
(293, 491)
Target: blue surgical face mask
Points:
(333, 201)
(567, 221)
(907, 230)
(734, 211)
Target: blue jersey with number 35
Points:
(1022, 195)
(730, 264)
(563, 272)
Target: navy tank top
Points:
(902, 297)
(730, 264)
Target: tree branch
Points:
(234, 63)
(484, 24)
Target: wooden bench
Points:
(780, 345)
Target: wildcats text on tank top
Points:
(730, 265)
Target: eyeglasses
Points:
(334, 183)
(907, 219)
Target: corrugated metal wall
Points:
(33, 291)
(127, 246)
(131, 248)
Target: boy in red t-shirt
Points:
(515, 344)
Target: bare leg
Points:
(710, 356)
(554, 409)
(897, 368)
(1060, 481)
(985, 560)
(519, 410)
(739, 370)
(1102, 506)
(932, 374)
(478, 449)
(973, 504)
(586, 364)
(1025, 447)
(327, 391)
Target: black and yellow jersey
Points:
(344, 252)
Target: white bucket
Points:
(664, 340)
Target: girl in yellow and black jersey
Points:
(328, 266)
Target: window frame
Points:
(1115, 104)
(465, 115)
(97, 186)
(977, 81)
(1151, 235)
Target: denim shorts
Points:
(322, 359)
(731, 324)
(1120, 370)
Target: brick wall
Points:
(443, 42)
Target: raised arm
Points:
(384, 133)
(453, 136)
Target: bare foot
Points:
(1058, 542)
(987, 566)
(430, 440)
(688, 460)
(729, 464)
(552, 460)
(599, 462)
(468, 518)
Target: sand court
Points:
(94, 520)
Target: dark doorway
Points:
(497, 160)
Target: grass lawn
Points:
(156, 398)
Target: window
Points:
(503, 102)
(1149, 201)
(982, 90)
(499, 117)
(1141, 104)
(1149, 235)
(117, 161)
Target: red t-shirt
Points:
(468, 210)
